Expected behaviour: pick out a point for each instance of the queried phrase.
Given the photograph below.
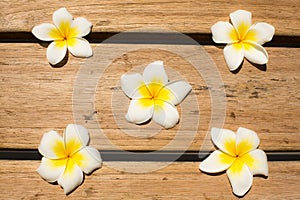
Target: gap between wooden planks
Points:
(185, 16)
(19, 180)
(36, 98)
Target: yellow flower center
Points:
(64, 33)
(242, 30)
(237, 155)
(154, 94)
(241, 35)
(68, 154)
(59, 149)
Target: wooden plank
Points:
(36, 98)
(183, 16)
(177, 181)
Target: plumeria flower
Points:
(238, 155)
(242, 39)
(66, 34)
(66, 158)
(152, 96)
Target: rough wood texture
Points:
(177, 181)
(36, 98)
(184, 16)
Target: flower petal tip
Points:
(56, 52)
(223, 32)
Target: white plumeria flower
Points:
(66, 157)
(243, 39)
(66, 34)
(238, 155)
(152, 96)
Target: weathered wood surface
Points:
(36, 98)
(184, 16)
(177, 181)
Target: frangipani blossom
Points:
(152, 96)
(243, 39)
(238, 155)
(66, 158)
(66, 34)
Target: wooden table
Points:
(36, 98)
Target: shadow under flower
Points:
(44, 44)
(63, 62)
(237, 70)
(262, 67)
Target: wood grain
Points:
(177, 181)
(185, 16)
(36, 98)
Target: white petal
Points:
(179, 90)
(56, 52)
(52, 146)
(82, 26)
(75, 137)
(71, 178)
(234, 55)
(240, 178)
(261, 33)
(165, 114)
(155, 73)
(255, 53)
(62, 16)
(88, 159)
(224, 139)
(80, 47)
(257, 162)
(50, 170)
(46, 32)
(223, 32)
(241, 21)
(140, 111)
(246, 140)
(130, 83)
(216, 162)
